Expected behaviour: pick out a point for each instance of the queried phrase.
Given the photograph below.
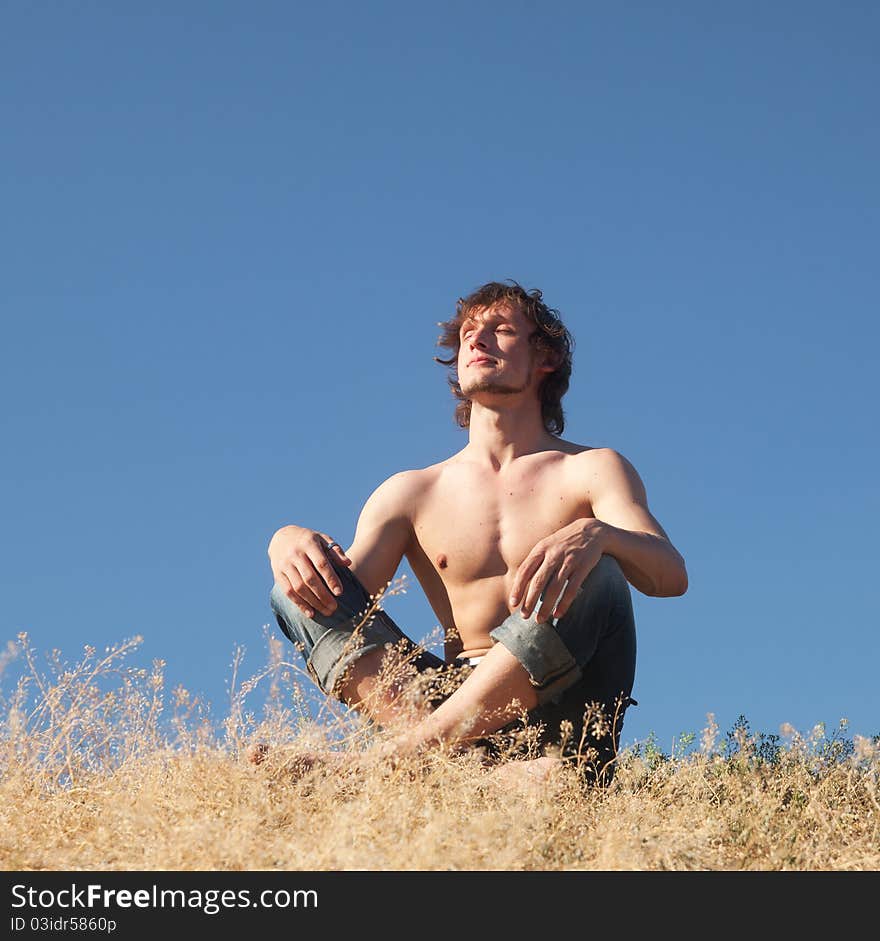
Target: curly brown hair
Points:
(549, 336)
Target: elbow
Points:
(680, 579)
(681, 584)
(675, 588)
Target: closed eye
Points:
(501, 329)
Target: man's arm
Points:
(384, 530)
(631, 534)
(300, 559)
(621, 526)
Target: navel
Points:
(442, 561)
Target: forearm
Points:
(651, 563)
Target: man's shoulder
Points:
(597, 455)
(582, 453)
(419, 476)
(602, 465)
(404, 489)
(610, 473)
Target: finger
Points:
(340, 552)
(570, 593)
(551, 596)
(320, 575)
(324, 600)
(534, 589)
(565, 601)
(301, 594)
(328, 574)
(307, 610)
(524, 574)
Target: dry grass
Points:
(102, 770)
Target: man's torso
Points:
(473, 527)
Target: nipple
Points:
(442, 561)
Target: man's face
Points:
(496, 357)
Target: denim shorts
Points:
(582, 665)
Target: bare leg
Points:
(497, 691)
(384, 701)
(490, 697)
(369, 692)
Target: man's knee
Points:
(330, 644)
(605, 578)
(541, 651)
(285, 612)
(278, 600)
(554, 655)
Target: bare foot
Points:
(257, 753)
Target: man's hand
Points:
(301, 566)
(569, 554)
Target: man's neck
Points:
(498, 435)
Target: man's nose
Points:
(477, 338)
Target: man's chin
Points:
(491, 388)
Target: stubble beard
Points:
(491, 385)
(496, 386)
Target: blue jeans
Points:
(582, 665)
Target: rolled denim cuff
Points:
(331, 643)
(337, 650)
(540, 649)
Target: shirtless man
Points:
(523, 543)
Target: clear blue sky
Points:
(229, 231)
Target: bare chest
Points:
(477, 525)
